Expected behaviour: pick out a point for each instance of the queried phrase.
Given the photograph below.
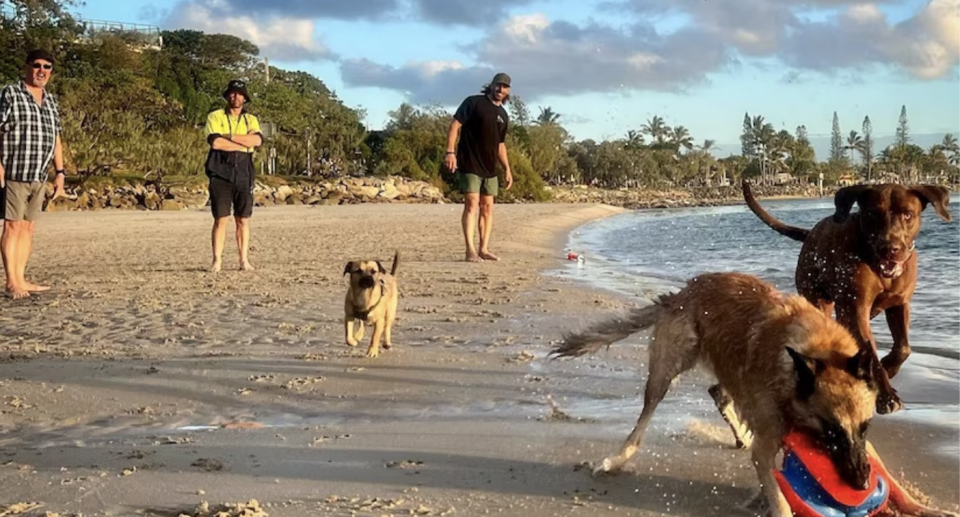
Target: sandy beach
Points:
(144, 385)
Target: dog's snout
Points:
(367, 281)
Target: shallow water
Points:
(647, 252)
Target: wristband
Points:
(451, 152)
(61, 171)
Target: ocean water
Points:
(647, 252)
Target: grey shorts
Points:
(471, 183)
(22, 200)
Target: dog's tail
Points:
(396, 261)
(609, 332)
(797, 234)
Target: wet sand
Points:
(144, 385)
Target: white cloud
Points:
(278, 37)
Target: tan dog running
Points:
(372, 298)
(785, 365)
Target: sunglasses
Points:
(38, 66)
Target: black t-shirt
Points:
(484, 128)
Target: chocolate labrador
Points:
(865, 263)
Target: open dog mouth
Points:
(891, 268)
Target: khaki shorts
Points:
(22, 200)
(472, 183)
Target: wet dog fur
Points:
(780, 360)
(865, 263)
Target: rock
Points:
(262, 199)
(152, 201)
(389, 191)
(171, 204)
(61, 204)
(282, 193)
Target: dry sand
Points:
(143, 385)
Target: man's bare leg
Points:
(243, 242)
(9, 245)
(218, 235)
(471, 209)
(486, 227)
(24, 248)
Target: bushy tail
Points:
(608, 332)
(797, 234)
(396, 261)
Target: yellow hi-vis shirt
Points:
(220, 122)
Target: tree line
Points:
(135, 108)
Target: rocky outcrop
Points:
(152, 195)
(698, 196)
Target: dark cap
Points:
(500, 78)
(39, 54)
(238, 86)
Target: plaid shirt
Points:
(28, 133)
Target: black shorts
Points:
(225, 193)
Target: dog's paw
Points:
(888, 403)
(353, 342)
(373, 352)
(607, 467)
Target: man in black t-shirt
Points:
(481, 124)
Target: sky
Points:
(607, 66)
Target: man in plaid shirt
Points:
(29, 140)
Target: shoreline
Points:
(104, 378)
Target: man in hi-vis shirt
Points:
(233, 135)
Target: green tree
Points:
(903, 128)
(866, 147)
(836, 142)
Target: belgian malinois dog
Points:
(782, 362)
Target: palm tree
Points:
(547, 116)
(854, 143)
(763, 135)
(779, 150)
(634, 139)
(657, 129)
(949, 145)
(703, 151)
(680, 137)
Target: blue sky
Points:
(609, 65)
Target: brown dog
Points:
(785, 364)
(865, 263)
(372, 298)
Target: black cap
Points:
(238, 86)
(39, 54)
(500, 78)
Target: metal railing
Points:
(133, 33)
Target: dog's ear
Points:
(844, 200)
(861, 366)
(806, 379)
(381, 268)
(937, 196)
(349, 267)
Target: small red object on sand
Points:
(572, 256)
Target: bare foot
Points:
(486, 255)
(245, 266)
(215, 267)
(34, 288)
(473, 258)
(16, 293)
